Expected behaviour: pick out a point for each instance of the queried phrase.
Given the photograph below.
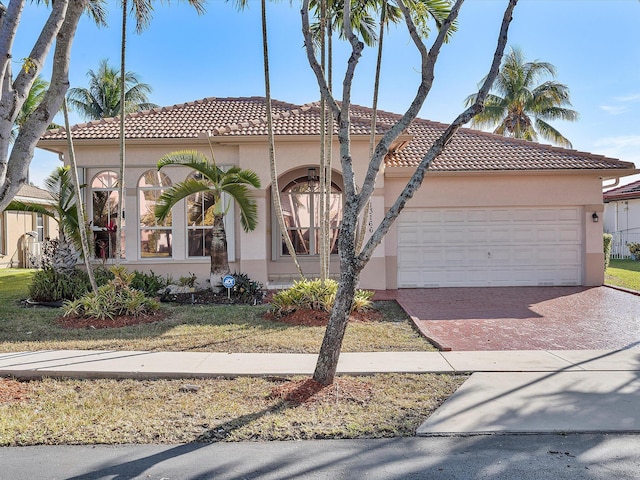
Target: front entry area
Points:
(492, 246)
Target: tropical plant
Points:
(77, 190)
(209, 184)
(520, 106)
(142, 11)
(315, 295)
(101, 99)
(352, 262)
(35, 96)
(49, 285)
(59, 29)
(634, 249)
(115, 299)
(60, 187)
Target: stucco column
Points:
(252, 251)
(374, 275)
(593, 246)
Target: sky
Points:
(594, 45)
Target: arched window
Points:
(105, 198)
(155, 237)
(301, 207)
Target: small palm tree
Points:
(211, 182)
(102, 97)
(522, 108)
(60, 187)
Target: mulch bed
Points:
(308, 391)
(12, 391)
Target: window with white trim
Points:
(104, 204)
(301, 208)
(155, 237)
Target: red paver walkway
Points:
(523, 318)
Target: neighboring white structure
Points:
(622, 217)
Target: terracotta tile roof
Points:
(469, 150)
(625, 192)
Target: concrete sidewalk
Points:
(141, 364)
(508, 392)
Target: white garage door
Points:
(489, 247)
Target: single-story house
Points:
(22, 233)
(492, 211)
(622, 216)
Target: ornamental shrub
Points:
(315, 295)
(607, 239)
(116, 298)
(634, 249)
(49, 285)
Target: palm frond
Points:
(549, 133)
(174, 194)
(247, 205)
(18, 206)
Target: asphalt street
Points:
(521, 457)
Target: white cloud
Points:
(621, 104)
(634, 97)
(624, 147)
(614, 109)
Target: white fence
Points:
(619, 247)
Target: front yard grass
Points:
(200, 328)
(57, 411)
(160, 411)
(624, 273)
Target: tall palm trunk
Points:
(368, 212)
(275, 189)
(121, 183)
(219, 254)
(86, 251)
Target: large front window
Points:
(301, 208)
(155, 237)
(104, 188)
(199, 222)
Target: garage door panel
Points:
(490, 246)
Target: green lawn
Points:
(624, 273)
(59, 411)
(215, 328)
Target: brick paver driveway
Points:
(524, 318)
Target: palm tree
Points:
(209, 184)
(522, 108)
(35, 96)
(101, 99)
(60, 187)
(142, 11)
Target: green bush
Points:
(246, 287)
(608, 240)
(148, 283)
(49, 285)
(634, 249)
(116, 298)
(315, 295)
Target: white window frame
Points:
(142, 227)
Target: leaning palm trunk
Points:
(84, 241)
(368, 213)
(275, 189)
